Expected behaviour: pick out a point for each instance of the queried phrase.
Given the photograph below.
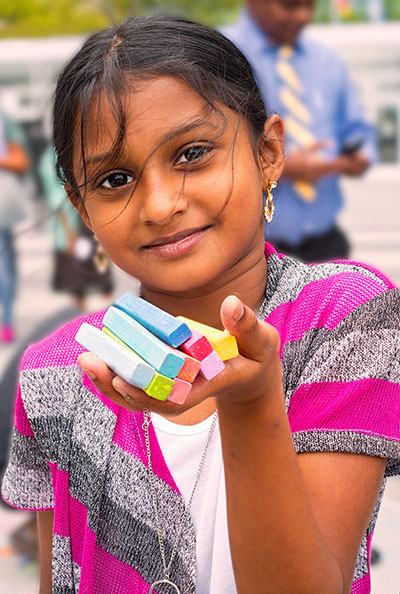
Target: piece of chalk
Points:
(190, 369)
(123, 362)
(180, 391)
(211, 366)
(197, 346)
(222, 341)
(160, 323)
(158, 354)
(160, 386)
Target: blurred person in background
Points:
(327, 134)
(80, 265)
(14, 163)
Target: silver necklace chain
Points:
(167, 566)
(185, 513)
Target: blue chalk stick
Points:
(168, 328)
(125, 363)
(158, 354)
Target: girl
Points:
(269, 478)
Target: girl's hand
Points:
(251, 377)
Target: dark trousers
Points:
(333, 245)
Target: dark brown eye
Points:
(193, 153)
(117, 180)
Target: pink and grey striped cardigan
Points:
(76, 452)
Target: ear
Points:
(78, 204)
(271, 152)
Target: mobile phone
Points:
(351, 147)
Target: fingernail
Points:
(118, 388)
(238, 311)
(90, 374)
(232, 308)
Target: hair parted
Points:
(111, 60)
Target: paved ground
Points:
(372, 218)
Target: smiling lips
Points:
(176, 245)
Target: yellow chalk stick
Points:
(222, 342)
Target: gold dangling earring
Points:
(269, 207)
(100, 258)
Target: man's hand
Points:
(354, 164)
(308, 165)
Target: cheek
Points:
(111, 220)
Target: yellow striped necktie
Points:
(298, 118)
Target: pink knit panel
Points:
(111, 576)
(21, 421)
(61, 495)
(129, 436)
(363, 585)
(337, 406)
(87, 561)
(81, 535)
(59, 348)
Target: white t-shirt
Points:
(182, 447)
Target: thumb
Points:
(253, 336)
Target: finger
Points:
(95, 368)
(254, 336)
(319, 145)
(103, 378)
(128, 396)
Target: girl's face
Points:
(180, 207)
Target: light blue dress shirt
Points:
(337, 117)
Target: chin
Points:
(182, 283)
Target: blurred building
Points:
(28, 71)
(29, 68)
(372, 54)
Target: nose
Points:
(162, 198)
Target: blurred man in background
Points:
(326, 133)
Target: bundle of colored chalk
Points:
(155, 351)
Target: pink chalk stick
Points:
(211, 366)
(197, 346)
(180, 391)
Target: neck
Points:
(246, 279)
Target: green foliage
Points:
(39, 18)
(392, 8)
(322, 12)
(32, 18)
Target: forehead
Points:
(295, 4)
(282, 4)
(156, 107)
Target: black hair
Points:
(146, 47)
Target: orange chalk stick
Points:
(190, 369)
